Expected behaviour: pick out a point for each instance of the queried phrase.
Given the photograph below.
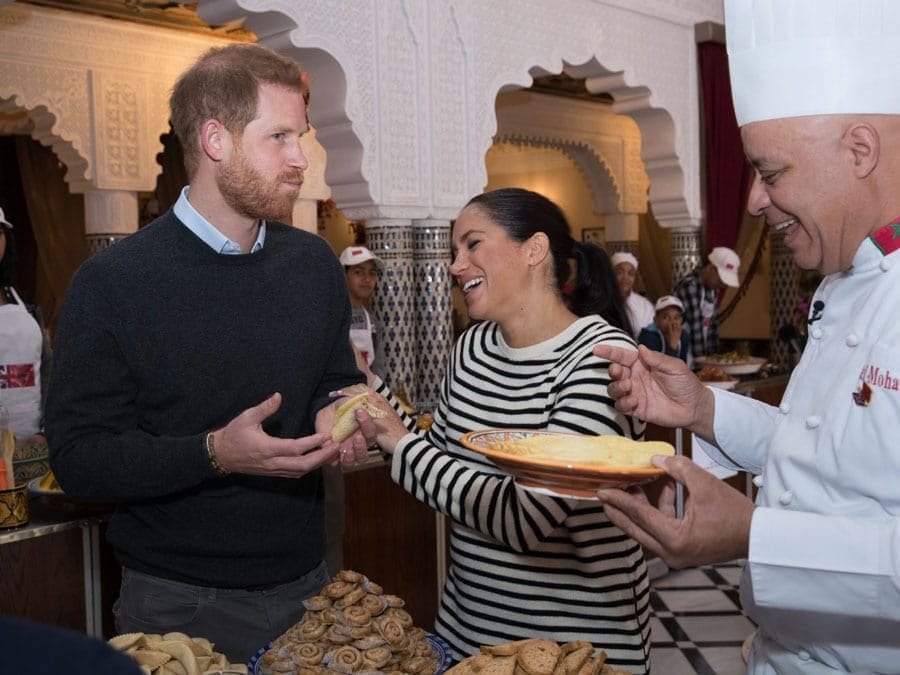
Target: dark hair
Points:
(8, 262)
(523, 213)
(224, 85)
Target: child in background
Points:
(667, 333)
(360, 265)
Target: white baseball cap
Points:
(727, 263)
(354, 255)
(789, 58)
(668, 301)
(623, 256)
(4, 221)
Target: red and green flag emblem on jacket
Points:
(887, 238)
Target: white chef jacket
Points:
(822, 579)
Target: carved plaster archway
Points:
(96, 93)
(604, 146)
(597, 176)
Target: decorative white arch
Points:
(604, 146)
(95, 90)
(412, 117)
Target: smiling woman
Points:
(527, 364)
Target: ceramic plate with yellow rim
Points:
(565, 464)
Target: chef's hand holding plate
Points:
(242, 446)
(660, 389)
(716, 523)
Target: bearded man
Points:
(194, 364)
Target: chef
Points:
(24, 349)
(816, 93)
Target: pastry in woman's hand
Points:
(345, 416)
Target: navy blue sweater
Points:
(160, 340)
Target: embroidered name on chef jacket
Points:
(871, 378)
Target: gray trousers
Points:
(238, 622)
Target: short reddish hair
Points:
(224, 85)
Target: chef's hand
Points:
(242, 446)
(660, 389)
(716, 523)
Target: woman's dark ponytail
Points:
(594, 287)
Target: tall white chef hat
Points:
(790, 58)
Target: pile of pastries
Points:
(174, 654)
(352, 626)
(536, 656)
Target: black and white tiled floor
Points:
(697, 623)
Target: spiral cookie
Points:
(372, 587)
(357, 616)
(332, 616)
(369, 641)
(310, 629)
(308, 654)
(351, 598)
(374, 603)
(335, 635)
(359, 632)
(346, 659)
(391, 629)
(350, 576)
(317, 603)
(377, 657)
(401, 615)
(393, 600)
(337, 589)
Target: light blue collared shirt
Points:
(200, 226)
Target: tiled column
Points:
(434, 307)
(784, 292)
(686, 253)
(394, 301)
(109, 215)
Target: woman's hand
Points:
(388, 430)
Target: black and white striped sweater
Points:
(525, 564)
